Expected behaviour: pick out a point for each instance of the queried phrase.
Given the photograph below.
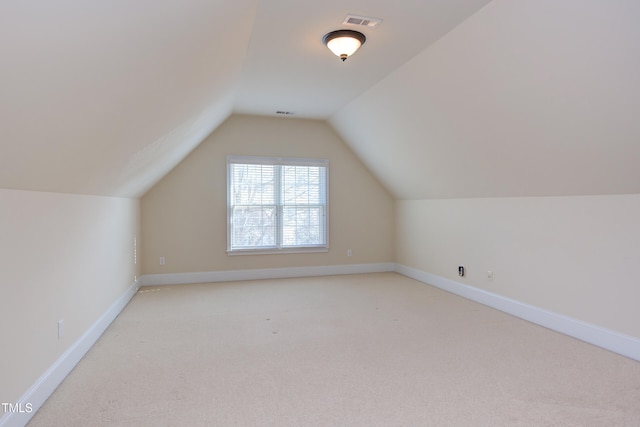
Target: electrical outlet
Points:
(162, 260)
(349, 252)
(60, 328)
(490, 275)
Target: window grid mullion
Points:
(279, 202)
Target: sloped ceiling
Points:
(525, 98)
(104, 97)
(461, 98)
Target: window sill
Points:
(277, 251)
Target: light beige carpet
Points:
(360, 350)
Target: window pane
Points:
(302, 185)
(253, 226)
(303, 226)
(253, 184)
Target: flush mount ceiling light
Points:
(343, 43)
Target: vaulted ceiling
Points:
(455, 98)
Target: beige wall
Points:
(62, 256)
(184, 215)
(575, 256)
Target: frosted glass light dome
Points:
(344, 43)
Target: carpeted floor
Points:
(358, 350)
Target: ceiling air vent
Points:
(361, 21)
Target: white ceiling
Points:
(106, 97)
(447, 98)
(525, 98)
(288, 68)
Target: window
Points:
(276, 204)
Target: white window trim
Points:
(283, 161)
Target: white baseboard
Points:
(40, 391)
(263, 273)
(619, 343)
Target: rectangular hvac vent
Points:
(285, 113)
(362, 21)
